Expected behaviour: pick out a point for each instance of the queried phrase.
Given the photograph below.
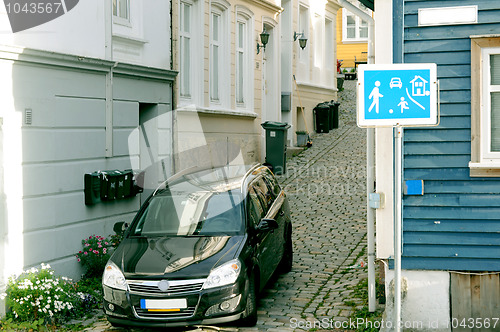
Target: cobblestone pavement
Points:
(326, 188)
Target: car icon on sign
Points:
(396, 82)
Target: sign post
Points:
(398, 96)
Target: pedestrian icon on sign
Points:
(375, 95)
(403, 104)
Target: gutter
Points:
(370, 161)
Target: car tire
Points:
(250, 314)
(287, 259)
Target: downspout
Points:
(370, 161)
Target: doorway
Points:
(155, 157)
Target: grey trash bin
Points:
(276, 134)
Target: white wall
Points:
(87, 30)
(45, 215)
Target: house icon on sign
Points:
(418, 86)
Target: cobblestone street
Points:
(326, 188)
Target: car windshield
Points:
(185, 213)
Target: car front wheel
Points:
(250, 314)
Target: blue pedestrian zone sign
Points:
(397, 95)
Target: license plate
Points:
(164, 305)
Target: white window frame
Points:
(484, 163)
(487, 156)
(221, 100)
(118, 18)
(358, 24)
(243, 16)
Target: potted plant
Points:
(301, 137)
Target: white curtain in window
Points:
(214, 57)
(240, 63)
(185, 48)
(495, 103)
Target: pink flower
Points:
(99, 246)
(96, 252)
(106, 243)
(104, 250)
(85, 253)
(90, 237)
(80, 252)
(79, 259)
(86, 244)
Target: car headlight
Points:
(113, 277)
(225, 274)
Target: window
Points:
(121, 9)
(485, 107)
(191, 53)
(185, 37)
(491, 98)
(353, 27)
(219, 55)
(243, 58)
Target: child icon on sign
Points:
(403, 104)
(375, 95)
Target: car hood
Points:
(175, 257)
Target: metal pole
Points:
(397, 227)
(370, 187)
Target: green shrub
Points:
(95, 255)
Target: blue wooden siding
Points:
(455, 225)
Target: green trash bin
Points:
(322, 118)
(276, 134)
(334, 114)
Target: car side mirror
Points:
(120, 227)
(266, 225)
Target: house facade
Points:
(352, 37)
(89, 91)
(451, 232)
(308, 74)
(229, 84)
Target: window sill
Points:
(129, 39)
(354, 41)
(219, 111)
(484, 169)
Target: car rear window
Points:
(177, 213)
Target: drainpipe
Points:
(370, 161)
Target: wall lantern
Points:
(302, 39)
(264, 39)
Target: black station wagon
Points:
(200, 250)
